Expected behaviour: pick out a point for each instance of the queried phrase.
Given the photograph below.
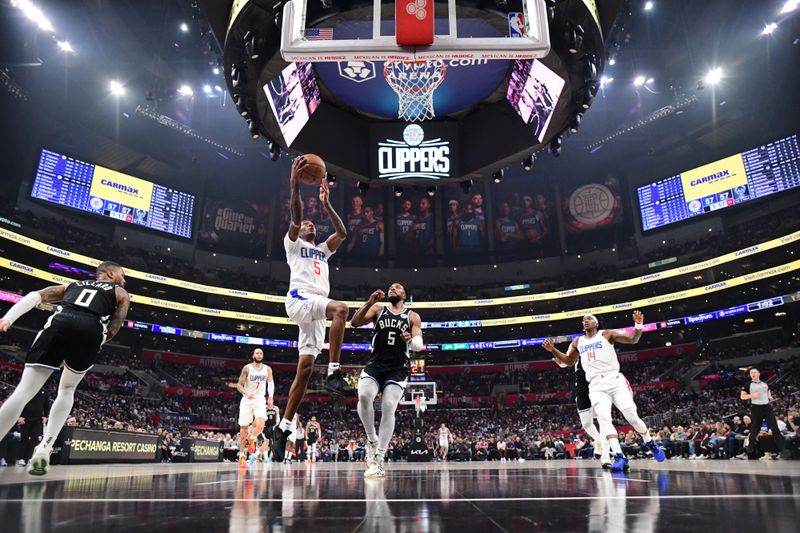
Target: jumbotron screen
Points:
(69, 182)
(762, 171)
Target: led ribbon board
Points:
(444, 304)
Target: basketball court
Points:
(532, 496)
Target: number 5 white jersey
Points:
(598, 356)
(308, 264)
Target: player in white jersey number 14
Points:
(307, 302)
(607, 386)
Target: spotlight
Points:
(497, 176)
(789, 6)
(769, 28)
(253, 129)
(605, 80)
(184, 27)
(575, 123)
(555, 146)
(218, 88)
(648, 6)
(575, 38)
(714, 76)
(34, 13)
(466, 186)
(185, 90)
(398, 191)
(116, 88)
(65, 46)
(251, 45)
(363, 187)
(274, 150)
(215, 70)
(238, 102)
(331, 179)
(612, 61)
(639, 81)
(527, 163)
(207, 89)
(587, 96)
(432, 190)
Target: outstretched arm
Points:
(633, 338)
(270, 387)
(295, 202)
(50, 294)
(340, 232)
(120, 312)
(367, 312)
(569, 358)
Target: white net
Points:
(414, 83)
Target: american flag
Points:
(318, 34)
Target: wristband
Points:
(638, 326)
(416, 343)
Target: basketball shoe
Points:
(40, 462)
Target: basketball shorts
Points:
(397, 375)
(250, 410)
(307, 310)
(611, 389)
(582, 399)
(70, 338)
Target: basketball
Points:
(314, 171)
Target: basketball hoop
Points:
(414, 83)
(419, 407)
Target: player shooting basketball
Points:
(307, 301)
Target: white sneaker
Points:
(376, 469)
(3, 462)
(21, 462)
(40, 462)
(372, 453)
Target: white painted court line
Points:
(413, 500)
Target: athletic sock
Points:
(615, 447)
(381, 453)
(332, 367)
(646, 437)
(285, 425)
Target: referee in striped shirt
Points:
(759, 395)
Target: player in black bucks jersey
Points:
(91, 312)
(397, 330)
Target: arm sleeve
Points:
(31, 300)
(271, 388)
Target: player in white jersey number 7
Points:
(307, 302)
(607, 386)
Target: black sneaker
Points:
(336, 384)
(278, 447)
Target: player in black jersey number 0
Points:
(91, 313)
(397, 330)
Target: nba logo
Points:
(516, 24)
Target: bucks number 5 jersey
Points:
(388, 346)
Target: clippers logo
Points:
(357, 71)
(417, 8)
(413, 157)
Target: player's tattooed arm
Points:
(295, 202)
(120, 312)
(367, 312)
(52, 294)
(242, 383)
(633, 338)
(569, 358)
(340, 230)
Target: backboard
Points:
(426, 390)
(367, 32)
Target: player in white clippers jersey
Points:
(307, 302)
(445, 438)
(607, 386)
(255, 383)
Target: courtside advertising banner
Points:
(92, 445)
